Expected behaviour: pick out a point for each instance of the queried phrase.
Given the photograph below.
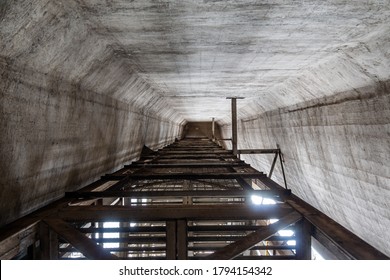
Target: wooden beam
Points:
(162, 213)
(231, 238)
(263, 247)
(78, 240)
(327, 248)
(158, 248)
(149, 194)
(187, 165)
(343, 238)
(44, 241)
(244, 184)
(189, 156)
(221, 229)
(184, 176)
(194, 152)
(258, 151)
(234, 249)
(352, 246)
(18, 238)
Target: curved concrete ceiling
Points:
(196, 53)
(189, 56)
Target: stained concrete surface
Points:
(86, 83)
(336, 155)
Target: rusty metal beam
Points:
(181, 239)
(187, 165)
(342, 240)
(78, 240)
(234, 249)
(257, 151)
(171, 240)
(303, 232)
(183, 176)
(162, 213)
(150, 194)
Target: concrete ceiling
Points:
(196, 53)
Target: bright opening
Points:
(111, 234)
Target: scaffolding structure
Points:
(190, 200)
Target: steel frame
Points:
(182, 222)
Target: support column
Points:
(234, 126)
(213, 128)
(48, 243)
(303, 239)
(182, 240)
(171, 240)
(234, 123)
(176, 238)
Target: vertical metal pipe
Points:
(234, 125)
(213, 129)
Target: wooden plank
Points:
(234, 249)
(206, 156)
(185, 176)
(162, 213)
(186, 165)
(18, 238)
(150, 194)
(78, 240)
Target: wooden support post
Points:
(236, 248)
(303, 238)
(171, 240)
(48, 243)
(182, 240)
(44, 241)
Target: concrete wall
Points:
(337, 154)
(56, 137)
(70, 109)
(332, 123)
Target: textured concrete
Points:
(71, 110)
(336, 158)
(86, 83)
